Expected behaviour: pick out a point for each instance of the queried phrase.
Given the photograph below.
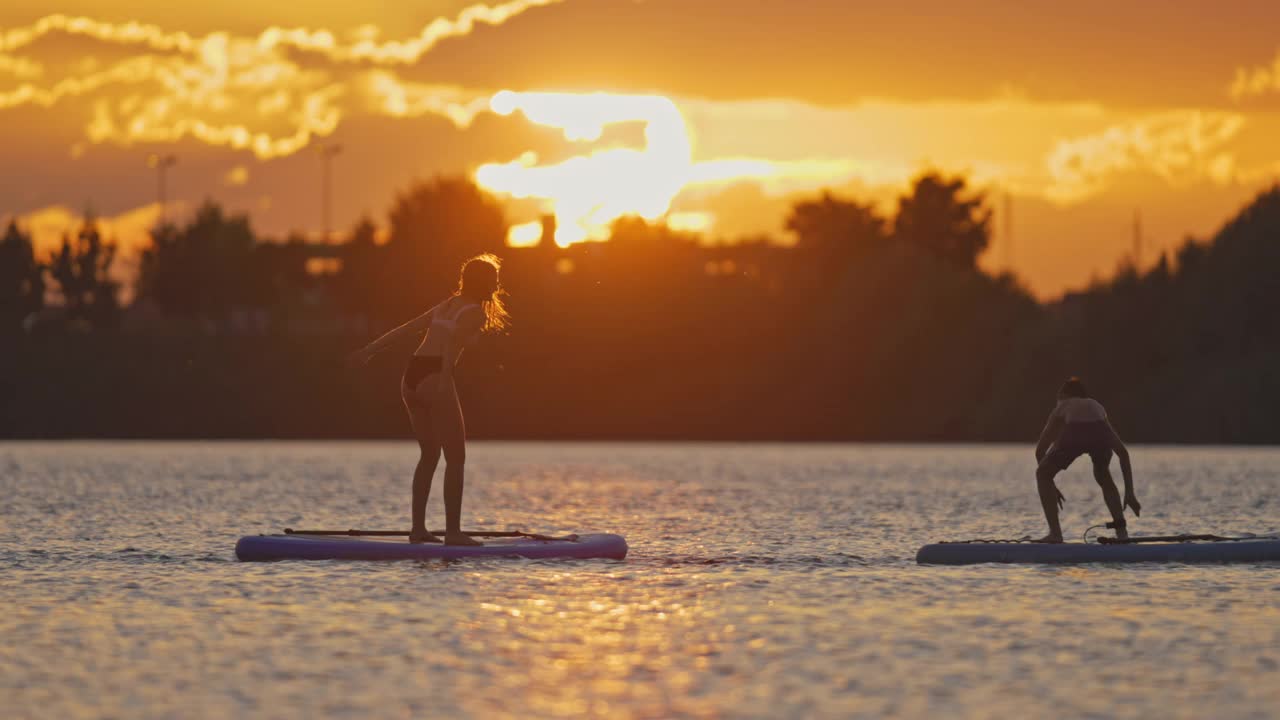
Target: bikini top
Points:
(446, 318)
(442, 318)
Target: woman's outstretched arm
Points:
(416, 326)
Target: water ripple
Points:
(763, 581)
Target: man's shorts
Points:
(1086, 438)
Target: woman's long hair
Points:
(481, 273)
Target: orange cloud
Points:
(1177, 146)
(1255, 81)
(389, 95)
(364, 49)
(124, 33)
(405, 51)
(20, 67)
(134, 70)
(238, 175)
(246, 93)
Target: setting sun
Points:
(589, 191)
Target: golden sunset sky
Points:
(716, 114)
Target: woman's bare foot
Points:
(422, 536)
(1122, 532)
(1050, 538)
(460, 539)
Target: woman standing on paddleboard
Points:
(429, 393)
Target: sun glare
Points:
(691, 221)
(587, 192)
(525, 234)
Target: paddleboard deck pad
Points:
(972, 553)
(332, 547)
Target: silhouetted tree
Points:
(203, 269)
(22, 281)
(358, 280)
(941, 218)
(649, 257)
(829, 224)
(654, 334)
(280, 270)
(435, 226)
(81, 270)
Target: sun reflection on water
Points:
(762, 582)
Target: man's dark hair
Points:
(1073, 387)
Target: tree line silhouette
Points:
(871, 327)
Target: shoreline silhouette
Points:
(871, 328)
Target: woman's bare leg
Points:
(451, 429)
(1112, 497)
(420, 418)
(1049, 501)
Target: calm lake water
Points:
(763, 581)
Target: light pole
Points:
(1137, 240)
(327, 151)
(161, 163)
(1008, 231)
